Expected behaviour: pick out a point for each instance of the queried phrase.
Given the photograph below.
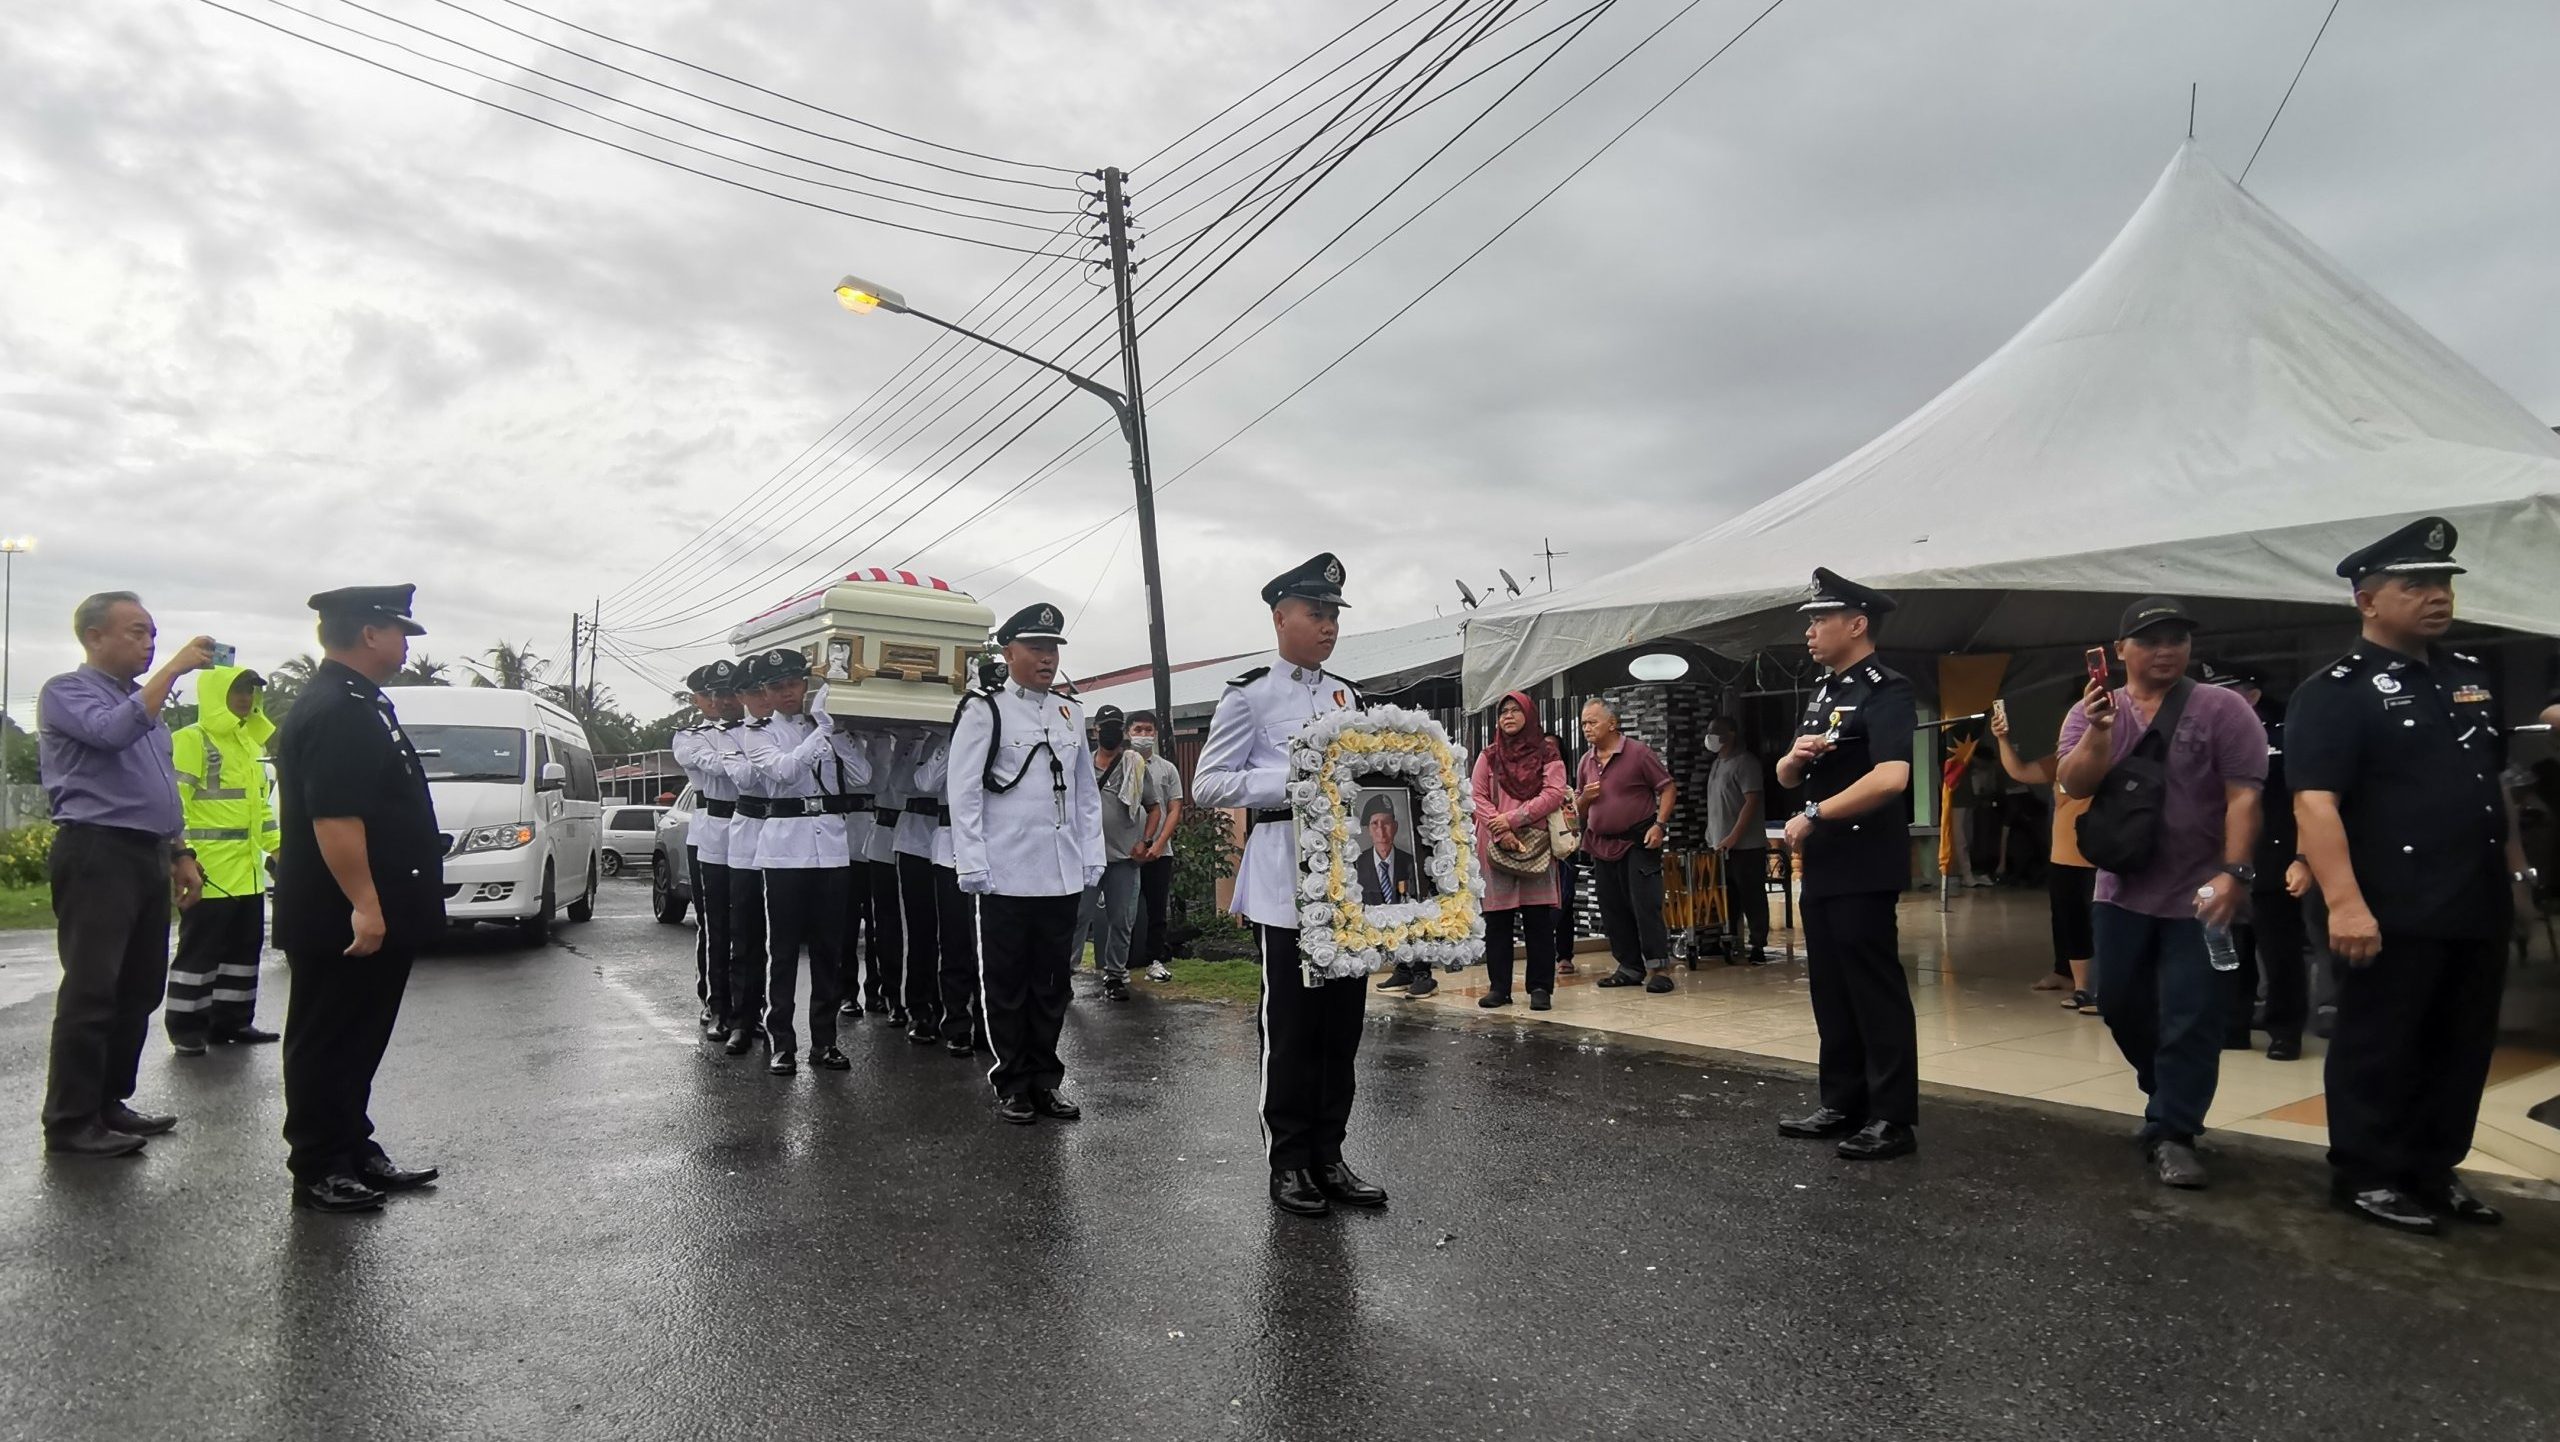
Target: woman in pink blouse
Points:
(1519, 782)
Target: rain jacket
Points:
(222, 784)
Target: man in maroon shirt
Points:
(1626, 800)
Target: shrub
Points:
(22, 853)
(1204, 853)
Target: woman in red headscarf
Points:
(1519, 783)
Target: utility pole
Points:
(595, 656)
(1115, 202)
(10, 546)
(576, 624)
(1547, 548)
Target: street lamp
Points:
(10, 546)
(863, 297)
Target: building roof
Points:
(1388, 660)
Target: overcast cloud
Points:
(277, 321)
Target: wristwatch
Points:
(1813, 811)
(183, 853)
(2241, 872)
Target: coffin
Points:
(888, 645)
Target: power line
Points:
(1284, 74)
(802, 201)
(778, 95)
(2288, 89)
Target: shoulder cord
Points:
(995, 738)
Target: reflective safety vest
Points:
(222, 784)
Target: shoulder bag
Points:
(2120, 831)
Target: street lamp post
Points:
(862, 297)
(10, 546)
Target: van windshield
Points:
(470, 753)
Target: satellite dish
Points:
(1468, 596)
(1510, 584)
(1658, 666)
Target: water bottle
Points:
(2218, 945)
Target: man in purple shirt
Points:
(2159, 994)
(116, 861)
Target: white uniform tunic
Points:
(694, 747)
(890, 788)
(934, 776)
(1245, 764)
(915, 832)
(1042, 837)
(810, 760)
(746, 740)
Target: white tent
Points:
(2215, 410)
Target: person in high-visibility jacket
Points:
(231, 823)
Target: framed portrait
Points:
(1386, 845)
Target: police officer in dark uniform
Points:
(2274, 931)
(2394, 755)
(1852, 756)
(353, 805)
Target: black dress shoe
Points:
(783, 1064)
(1879, 1141)
(714, 1027)
(1340, 1183)
(382, 1175)
(895, 1016)
(850, 1008)
(1295, 1191)
(243, 1036)
(91, 1140)
(740, 1039)
(957, 1046)
(2451, 1198)
(1621, 977)
(1115, 989)
(1423, 983)
(2386, 1207)
(923, 1035)
(830, 1059)
(1053, 1106)
(121, 1118)
(1821, 1125)
(1492, 999)
(1658, 983)
(1541, 1001)
(187, 1045)
(2285, 1048)
(1017, 1110)
(339, 1193)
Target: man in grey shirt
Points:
(1130, 805)
(1735, 807)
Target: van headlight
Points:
(496, 838)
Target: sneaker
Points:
(1116, 989)
(1159, 972)
(1423, 983)
(1397, 980)
(2176, 1164)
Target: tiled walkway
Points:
(1983, 1030)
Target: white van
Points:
(515, 792)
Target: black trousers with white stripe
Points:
(885, 987)
(710, 935)
(957, 925)
(803, 911)
(1027, 951)
(1310, 1040)
(747, 959)
(922, 988)
(213, 980)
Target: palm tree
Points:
(509, 667)
(421, 671)
(285, 684)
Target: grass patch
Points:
(1231, 981)
(25, 908)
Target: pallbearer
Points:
(1026, 823)
(875, 870)
(923, 760)
(1310, 1033)
(715, 694)
(964, 1025)
(747, 960)
(812, 770)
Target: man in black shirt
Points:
(1853, 758)
(359, 886)
(2394, 754)
(2274, 931)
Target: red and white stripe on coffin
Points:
(904, 578)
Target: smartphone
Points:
(225, 655)
(2097, 660)
(2000, 713)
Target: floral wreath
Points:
(1339, 936)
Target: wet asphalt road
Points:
(638, 1239)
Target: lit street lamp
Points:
(862, 297)
(10, 546)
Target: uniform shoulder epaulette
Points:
(758, 722)
(726, 724)
(1249, 677)
(2466, 660)
(2346, 666)
(1878, 675)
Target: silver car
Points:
(630, 834)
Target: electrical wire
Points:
(2288, 90)
(802, 201)
(778, 95)
(1286, 71)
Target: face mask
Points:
(1111, 736)
(1714, 744)
(1143, 745)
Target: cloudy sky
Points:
(276, 320)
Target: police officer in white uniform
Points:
(1026, 823)
(812, 772)
(715, 695)
(746, 880)
(964, 1028)
(875, 868)
(1310, 1033)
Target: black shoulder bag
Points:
(2121, 829)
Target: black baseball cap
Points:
(2153, 611)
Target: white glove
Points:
(977, 883)
(1092, 877)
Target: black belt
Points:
(719, 808)
(1270, 813)
(843, 805)
(925, 806)
(779, 808)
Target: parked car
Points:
(514, 786)
(630, 833)
(670, 879)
